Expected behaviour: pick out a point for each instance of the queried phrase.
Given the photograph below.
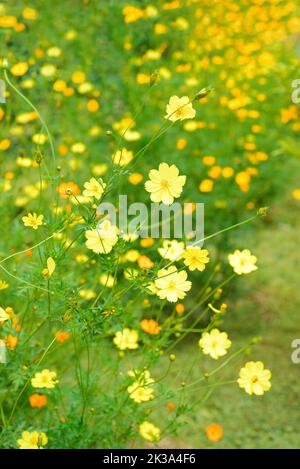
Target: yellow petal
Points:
(3, 315)
(51, 266)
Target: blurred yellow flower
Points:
(33, 220)
(214, 343)
(195, 258)
(206, 185)
(102, 239)
(242, 262)
(32, 440)
(30, 14)
(149, 431)
(122, 157)
(254, 378)
(19, 69)
(3, 285)
(107, 280)
(171, 284)
(179, 109)
(44, 379)
(165, 184)
(126, 339)
(3, 315)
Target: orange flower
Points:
(11, 341)
(61, 336)
(214, 432)
(65, 189)
(37, 400)
(179, 308)
(135, 178)
(150, 326)
(145, 262)
(92, 105)
(147, 242)
(28, 253)
(171, 406)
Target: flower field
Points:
(121, 325)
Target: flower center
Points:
(164, 183)
(254, 379)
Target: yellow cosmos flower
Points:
(171, 284)
(44, 379)
(30, 14)
(94, 188)
(214, 343)
(19, 69)
(195, 258)
(32, 440)
(3, 315)
(126, 339)
(107, 280)
(103, 238)
(149, 431)
(141, 391)
(179, 109)
(171, 250)
(242, 262)
(254, 378)
(87, 294)
(33, 220)
(165, 184)
(122, 157)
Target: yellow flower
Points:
(171, 250)
(214, 343)
(165, 184)
(107, 280)
(103, 238)
(3, 315)
(171, 284)
(179, 109)
(48, 70)
(122, 157)
(39, 139)
(93, 188)
(141, 391)
(50, 267)
(126, 339)
(242, 262)
(87, 294)
(32, 440)
(254, 378)
(30, 14)
(19, 69)
(195, 258)
(44, 379)
(3, 285)
(33, 220)
(149, 431)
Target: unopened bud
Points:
(263, 211)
